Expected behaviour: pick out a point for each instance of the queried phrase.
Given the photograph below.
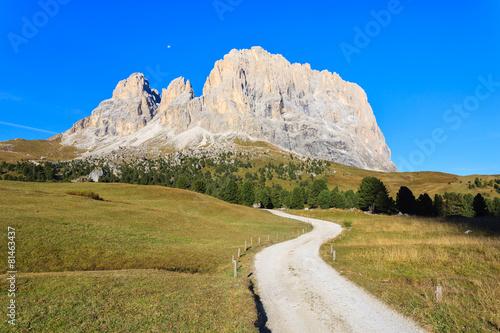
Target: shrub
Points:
(86, 194)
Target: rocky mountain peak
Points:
(135, 86)
(250, 93)
(180, 90)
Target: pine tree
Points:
(338, 200)
(231, 191)
(248, 193)
(479, 205)
(199, 186)
(368, 193)
(286, 198)
(324, 199)
(315, 189)
(275, 195)
(265, 200)
(438, 206)
(181, 183)
(405, 200)
(424, 205)
(297, 199)
(496, 206)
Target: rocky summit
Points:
(250, 95)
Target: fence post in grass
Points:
(259, 240)
(439, 293)
(235, 268)
(245, 245)
(268, 238)
(331, 248)
(334, 256)
(238, 252)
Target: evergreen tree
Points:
(368, 193)
(286, 198)
(315, 189)
(264, 199)
(231, 191)
(324, 199)
(469, 205)
(479, 205)
(275, 195)
(338, 200)
(383, 203)
(181, 183)
(496, 206)
(405, 200)
(248, 193)
(424, 205)
(199, 186)
(438, 206)
(351, 199)
(297, 198)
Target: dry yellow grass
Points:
(14, 150)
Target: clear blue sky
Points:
(422, 68)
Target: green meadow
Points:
(145, 258)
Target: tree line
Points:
(220, 177)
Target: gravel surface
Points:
(301, 293)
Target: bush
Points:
(86, 194)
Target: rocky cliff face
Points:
(249, 93)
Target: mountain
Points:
(250, 95)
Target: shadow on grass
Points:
(488, 224)
(261, 321)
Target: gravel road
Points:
(301, 293)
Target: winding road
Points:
(301, 293)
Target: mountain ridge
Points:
(250, 94)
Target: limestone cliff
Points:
(249, 93)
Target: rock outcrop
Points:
(249, 93)
(132, 106)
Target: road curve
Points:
(301, 293)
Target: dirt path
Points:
(301, 293)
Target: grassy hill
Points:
(146, 258)
(15, 150)
(349, 178)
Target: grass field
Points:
(146, 258)
(14, 150)
(402, 259)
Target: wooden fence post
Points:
(334, 256)
(331, 248)
(268, 238)
(259, 240)
(238, 252)
(235, 268)
(439, 293)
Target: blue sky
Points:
(431, 70)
